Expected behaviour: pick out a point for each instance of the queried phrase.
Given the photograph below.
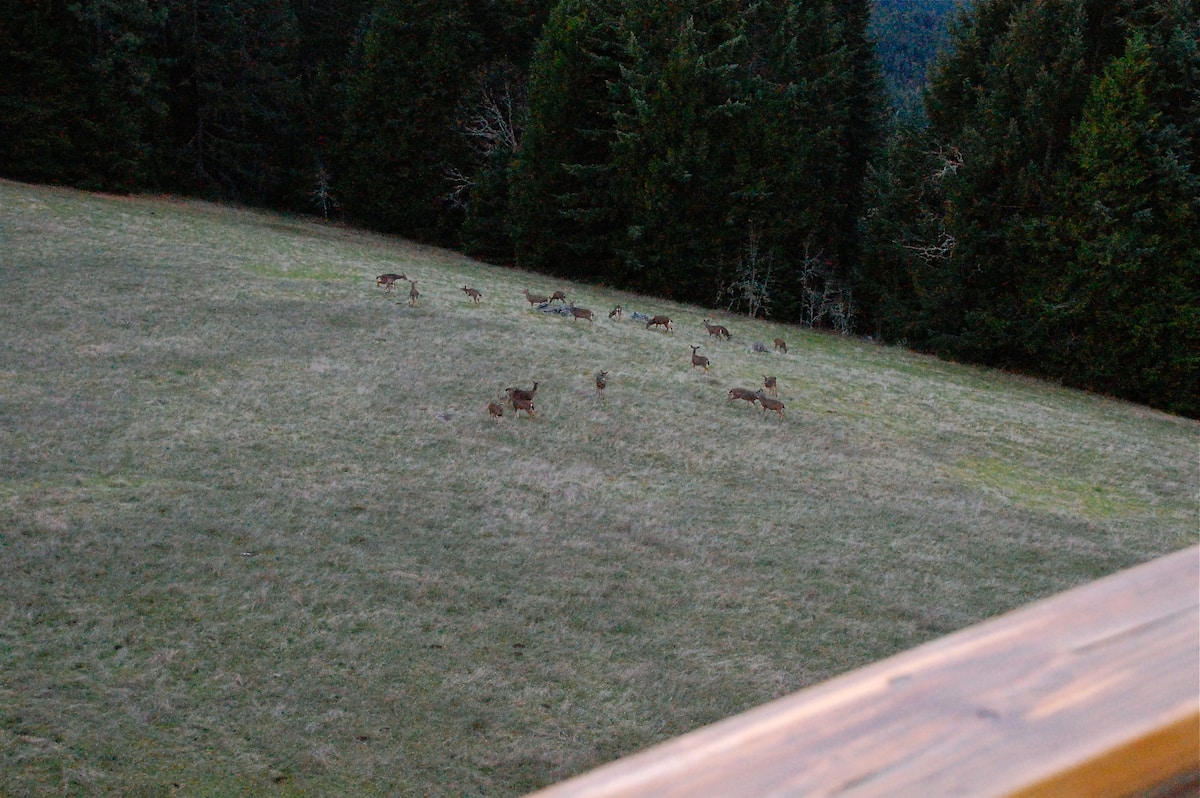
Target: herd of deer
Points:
(522, 400)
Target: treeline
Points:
(1038, 214)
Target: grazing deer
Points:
(660, 321)
(769, 404)
(601, 382)
(522, 404)
(744, 394)
(716, 329)
(535, 299)
(388, 281)
(560, 296)
(771, 386)
(413, 294)
(615, 313)
(473, 293)
(781, 345)
(582, 313)
(496, 411)
(699, 360)
(518, 393)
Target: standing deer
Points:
(769, 404)
(560, 296)
(781, 345)
(770, 384)
(413, 294)
(473, 293)
(495, 410)
(535, 299)
(716, 329)
(517, 393)
(699, 360)
(522, 404)
(659, 321)
(388, 281)
(582, 313)
(601, 382)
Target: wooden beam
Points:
(1093, 692)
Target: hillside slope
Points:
(258, 532)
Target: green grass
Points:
(259, 535)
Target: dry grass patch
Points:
(259, 534)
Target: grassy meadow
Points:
(258, 534)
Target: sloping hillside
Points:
(259, 534)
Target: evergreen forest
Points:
(1007, 182)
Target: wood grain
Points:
(1093, 692)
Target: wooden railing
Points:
(1093, 692)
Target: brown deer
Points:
(413, 294)
(716, 330)
(660, 321)
(699, 360)
(560, 296)
(388, 281)
(601, 382)
(770, 384)
(473, 293)
(582, 313)
(781, 345)
(517, 393)
(744, 394)
(496, 411)
(522, 404)
(535, 299)
(769, 404)
(615, 313)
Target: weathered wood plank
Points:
(1094, 692)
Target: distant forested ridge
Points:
(1030, 201)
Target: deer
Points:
(517, 393)
(473, 294)
(582, 313)
(781, 345)
(388, 281)
(522, 404)
(770, 384)
(495, 411)
(659, 321)
(768, 403)
(601, 382)
(699, 360)
(615, 313)
(560, 296)
(413, 294)
(535, 299)
(744, 394)
(716, 330)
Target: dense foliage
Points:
(1037, 212)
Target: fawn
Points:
(473, 294)
(771, 386)
(659, 321)
(716, 329)
(582, 313)
(560, 296)
(496, 411)
(744, 394)
(699, 360)
(517, 393)
(615, 313)
(769, 404)
(781, 345)
(388, 281)
(601, 382)
(413, 294)
(522, 404)
(535, 299)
